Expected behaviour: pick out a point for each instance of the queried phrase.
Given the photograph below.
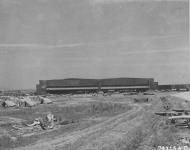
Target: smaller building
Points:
(175, 87)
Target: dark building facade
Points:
(177, 87)
(76, 85)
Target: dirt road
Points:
(102, 135)
(183, 95)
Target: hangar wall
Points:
(71, 85)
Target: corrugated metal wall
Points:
(75, 82)
(174, 86)
(97, 83)
(72, 83)
(125, 82)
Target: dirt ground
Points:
(93, 123)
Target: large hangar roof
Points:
(77, 82)
(72, 82)
(125, 81)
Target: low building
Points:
(174, 87)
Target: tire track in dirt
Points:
(75, 139)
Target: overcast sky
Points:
(52, 39)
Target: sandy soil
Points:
(183, 95)
(107, 132)
(137, 128)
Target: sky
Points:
(56, 39)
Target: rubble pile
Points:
(16, 127)
(23, 101)
(45, 123)
(166, 103)
(179, 118)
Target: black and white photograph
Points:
(94, 75)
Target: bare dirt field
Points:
(92, 123)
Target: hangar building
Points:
(76, 85)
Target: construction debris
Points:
(166, 103)
(24, 101)
(45, 100)
(148, 93)
(171, 113)
(46, 123)
(9, 103)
